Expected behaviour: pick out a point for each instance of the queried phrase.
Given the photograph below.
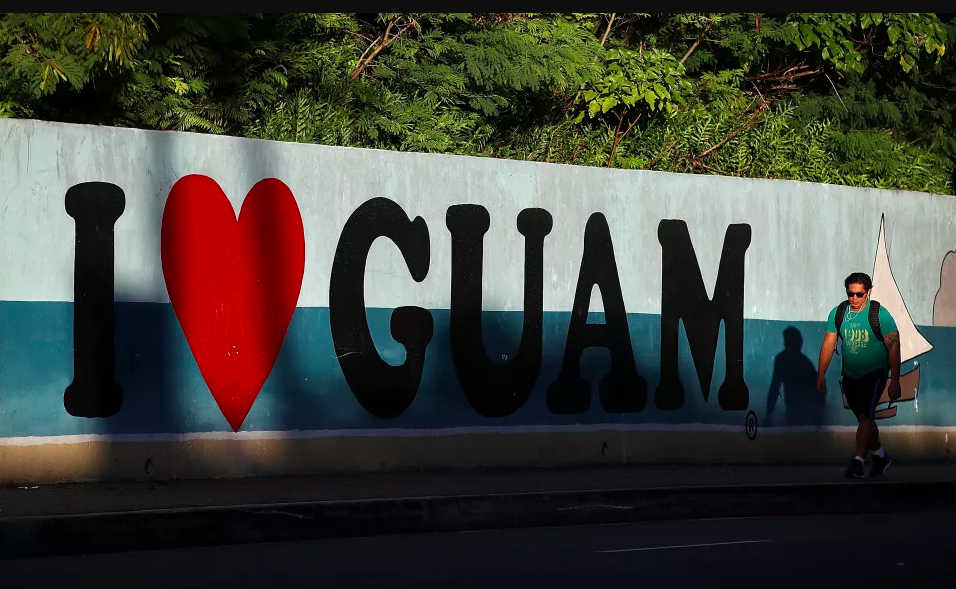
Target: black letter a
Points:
(623, 390)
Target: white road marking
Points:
(682, 546)
(723, 519)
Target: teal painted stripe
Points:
(165, 393)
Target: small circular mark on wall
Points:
(751, 425)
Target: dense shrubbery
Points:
(862, 99)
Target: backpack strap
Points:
(874, 316)
(838, 319)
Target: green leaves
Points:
(42, 50)
(893, 33)
(863, 98)
(648, 82)
(911, 34)
(843, 37)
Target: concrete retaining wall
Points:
(376, 310)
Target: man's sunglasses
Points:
(858, 295)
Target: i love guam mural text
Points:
(234, 283)
(156, 284)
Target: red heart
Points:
(233, 283)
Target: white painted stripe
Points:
(682, 546)
(451, 431)
(41, 160)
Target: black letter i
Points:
(94, 392)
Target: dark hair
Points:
(858, 278)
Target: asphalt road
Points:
(891, 550)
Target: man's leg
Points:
(880, 460)
(874, 437)
(867, 435)
(859, 405)
(863, 439)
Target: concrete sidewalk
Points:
(99, 517)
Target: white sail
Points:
(885, 290)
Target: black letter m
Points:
(684, 297)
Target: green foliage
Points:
(651, 80)
(864, 99)
(903, 35)
(42, 50)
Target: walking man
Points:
(871, 348)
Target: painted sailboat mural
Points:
(912, 342)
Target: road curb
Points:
(22, 537)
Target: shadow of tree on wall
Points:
(147, 337)
(145, 369)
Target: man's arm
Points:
(826, 354)
(892, 343)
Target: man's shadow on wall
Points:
(795, 375)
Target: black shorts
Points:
(863, 393)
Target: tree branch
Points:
(696, 43)
(365, 38)
(607, 31)
(620, 121)
(369, 48)
(936, 86)
(618, 137)
(382, 42)
(750, 121)
(787, 74)
(604, 37)
(574, 156)
(657, 158)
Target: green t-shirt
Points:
(862, 352)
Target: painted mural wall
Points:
(174, 304)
